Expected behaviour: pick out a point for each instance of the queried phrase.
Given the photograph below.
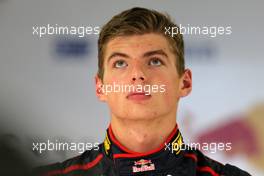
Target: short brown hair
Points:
(140, 21)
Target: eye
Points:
(155, 62)
(120, 64)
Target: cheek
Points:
(171, 89)
(114, 83)
(110, 79)
(171, 83)
(169, 98)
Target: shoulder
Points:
(204, 164)
(87, 161)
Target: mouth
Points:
(138, 96)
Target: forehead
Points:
(137, 44)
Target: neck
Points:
(142, 135)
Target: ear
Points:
(99, 89)
(185, 83)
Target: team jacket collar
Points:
(128, 162)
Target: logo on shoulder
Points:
(177, 144)
(107, 144)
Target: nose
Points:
(140, 78)
(138, 73)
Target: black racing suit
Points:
(112, 159)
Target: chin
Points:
(141, 115)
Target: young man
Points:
(142, 77)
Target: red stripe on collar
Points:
(132, 154)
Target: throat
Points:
(142, 138)
(141, 141)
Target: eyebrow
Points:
(158, 52)
(117, 54)
(147, 54)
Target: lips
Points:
(138, 96)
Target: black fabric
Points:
(112, 159)
(233, 171)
